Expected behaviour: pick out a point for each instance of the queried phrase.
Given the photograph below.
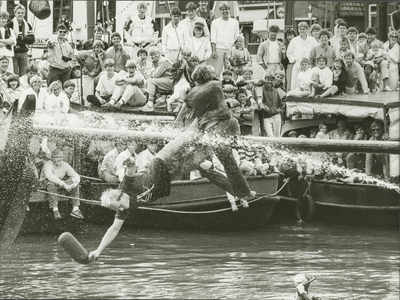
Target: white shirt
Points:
(223, 33)
(174, 38)
(191, 22)
(119, 167)
(107, 85)
(58, 103)
(143, 160)
(299, 48)
(304, 79)
(325, 76)
(392, 54)
(3, 50)
(273, 52)
(200, 47)
(40, 99)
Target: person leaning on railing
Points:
(377, 164)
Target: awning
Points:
(249, 16)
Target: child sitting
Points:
(344, 46)
(56, 101)
(322, 78)
(238, 55)
(69, 91)
(145, 157)
(370, 76)
(378, 56)
(303, 80)
(313, 133)
(362, 37)
(323, 131)
(230, 96)
(12, 93)
(31, 71)
(143, 65)
(244, 113)
(227, 78)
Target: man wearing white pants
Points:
(223, 33)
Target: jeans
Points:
(58, 74)
(55, 188)
(20, 63)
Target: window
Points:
(62, 15)
(372, 15)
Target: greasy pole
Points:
(312, 145)
(18, 178)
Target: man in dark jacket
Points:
(25, 36)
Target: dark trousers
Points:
(58, 74)
(20, 62)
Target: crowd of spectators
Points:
(135, 69)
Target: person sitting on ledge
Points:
(57, 176)
(107, 171)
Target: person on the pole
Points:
(141, 30)
(214, 119)
(161, 79)
(192, 19)
(224, 30)
(25, 36)
(174, 36)
(205, 13)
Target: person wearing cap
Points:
(191, 20)
(377, 164)
(302, 284)
(271, 107)
(299, 48)
(342, 33)
(205, 13)
(141, 30)
(238, 55)
(322, 49)
(174, 36)
(199, 44)
(271, 52)
(224, 30)
(354, 73)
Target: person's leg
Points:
(54, 75)
(118, 92)
(88, 87)
(268, 127)
(289, 71)
(277, 124)
(23, 63)
(133, 96)
(314, 84)
(162, 84)
(65, 75)
(295, 73)
(53, 199)
(15, 61)
(109, 177)
(329, 91)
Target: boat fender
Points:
(305, 208)
(75, 249)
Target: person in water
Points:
(302, 284)
(213, 120)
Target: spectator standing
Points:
(25, 36)
(271, 52)
(142, 30)
(174, 36)
(224, 30)
(199, 44)
(342, 33)
(60, 56)
(376, 164)
(206, 13)
(97, 36)
(392, 49)
(324, 49)
(117, 52)
(192, 18)
(7, 40)
(289, 34)
(300, 47)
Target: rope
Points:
(170, 210)
(92, 178)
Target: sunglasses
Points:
(376, 129)
(62, 31)
(394, 36)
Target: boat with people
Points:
(342, 200)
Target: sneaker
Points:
(233, 205)
(244, 203)
(108, 104)
(387, 89)
(118, 104)
(251, 196)
(77, 214)
(178, 108)
(160, 105)
(147, 108)
(57, 215)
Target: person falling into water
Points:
(214, 120)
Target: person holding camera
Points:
(60, 56)
(25, 36)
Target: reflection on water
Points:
(348, 263)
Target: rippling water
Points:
(348, 263)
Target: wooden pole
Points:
(326, 14)
(312, 145)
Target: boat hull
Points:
(194, 205)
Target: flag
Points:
(309, 10)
